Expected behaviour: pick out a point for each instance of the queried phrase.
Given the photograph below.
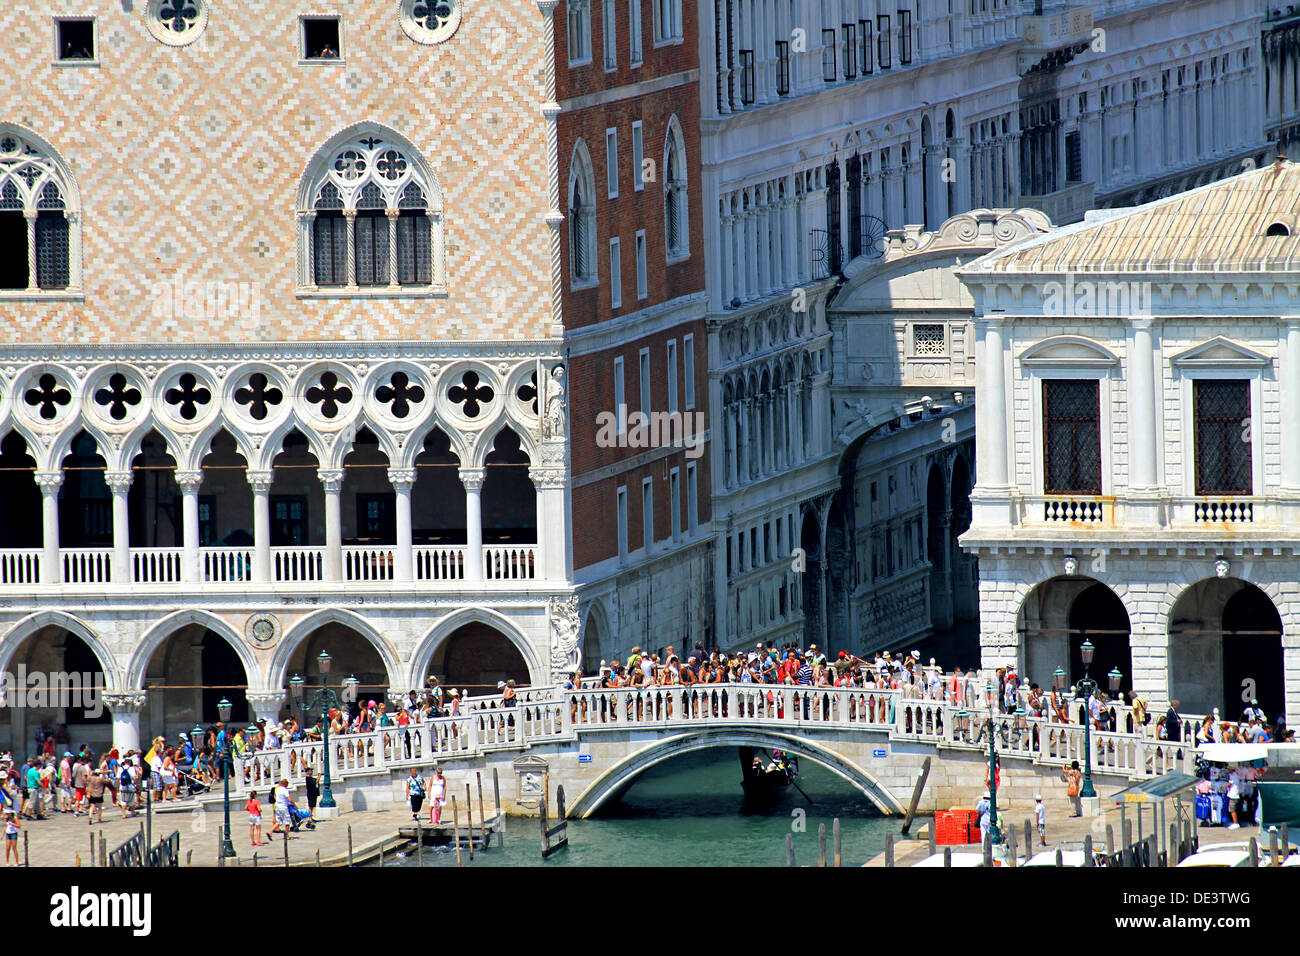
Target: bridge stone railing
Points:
(545, 715)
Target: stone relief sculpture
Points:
(565, 629)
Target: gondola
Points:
(766, 782)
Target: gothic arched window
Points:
(676, 211)
(372, 218)
(38, 222)
(582, 217)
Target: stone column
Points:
(789, 238)
(552, 532)
(991, 498)
(189, 483)
(727, 278)
(393, 215)
(472, 479)
(1290, 405)
(729, 417)
(30, 215)
(266, 704)
(51, 564)
(743, 448)
(1142, 427)
(119, 483)
(196, 666)
(751, 254)
(402, 480)
(260, 482)
(350, 215)
(766, 282)
(125, 708)
(332, 483)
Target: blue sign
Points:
(879, 753)
(586, 758)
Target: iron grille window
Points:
(1222, 410)
(746, 76)
(834, 245)
(371, 229)
(818, 253)
(866, 54)
(782, 67)
(51, 250)
(828, 55)
(904, 37)
(882, 40)
(330, 248)
(1071, 437)
(1073, 158)
(850, 31)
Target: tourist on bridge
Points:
(12, 825)
(1073, 777)
(1040, 818)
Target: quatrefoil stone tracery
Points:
(119, 397)
(259, 395)
(527, 392)
(329, 395)
(400, 394)
(188, 396)
(429, 21)
(470, 395)
(47, 397)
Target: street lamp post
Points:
(1084, 691)
(995, 835)
(324, 699)
(227, 768)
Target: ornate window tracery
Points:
(176, 22)
(37, 218)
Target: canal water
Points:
(689, 811)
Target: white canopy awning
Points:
(1233, 753)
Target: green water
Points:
(689, 812)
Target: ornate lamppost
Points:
(324, 700)
(1084, 690)
(227, 768)
(995, 835)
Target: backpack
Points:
(126, 779)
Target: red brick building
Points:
(633, 300)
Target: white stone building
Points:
(827, 124)
(1137, 482)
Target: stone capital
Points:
(472, 478)
(260, 481)
(266, 700)
(125, 702)
(401, 478)
(547, 478)
(119, 482)
(331, 481)
(49, 481)
(189, 481)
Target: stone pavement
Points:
(1061, 828)
(65, 840)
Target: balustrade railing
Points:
(539, 714)
(87, 565)
(227, 564)
(298, 564)
(156, 565)
(368, 563)
(514, 562)
(439, 562)
(21, 566)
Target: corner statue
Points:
(565, 627)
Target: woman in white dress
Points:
(437, 795)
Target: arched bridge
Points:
(596, 741)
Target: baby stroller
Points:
(193, 785)
(300, 817)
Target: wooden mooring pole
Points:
(835, 826)
(482, 817)
(350, 845)
(469, 821)
(501, 816)
(455, 822)
(821, 844)
(789, 849)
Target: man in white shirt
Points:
(1235, 805)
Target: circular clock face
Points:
(263, 629)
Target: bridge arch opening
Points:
(1225, 649)
(1058, 615)
(61, 677)
(620, 776)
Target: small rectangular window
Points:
(672, 375)
(615, 276)
(634, 30)
(688, 369)
(1071, 437)
(1223, 440)
(675, 502)
(611, 161)
(207, 520)
(928, 339)
(782, 67)
(609, 38)
(866, 50)
(648, 514)
(579, 30)
(1073, 158)
(620, 397)
(642, 280)
(75, 39)
(638, 157)
(321, 39)
(692, 498)
(621, 501)
(828, 55)
(645, 381)
(904, 37)
(850, 31)
(746, 77)
(882, 40)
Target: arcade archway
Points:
(475, 656)
(1058, 615)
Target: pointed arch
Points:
(277, 672)
(428, 645)
(27, 626)
(158, 635)
(35, 179)
(677, 241)
(580, 199)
